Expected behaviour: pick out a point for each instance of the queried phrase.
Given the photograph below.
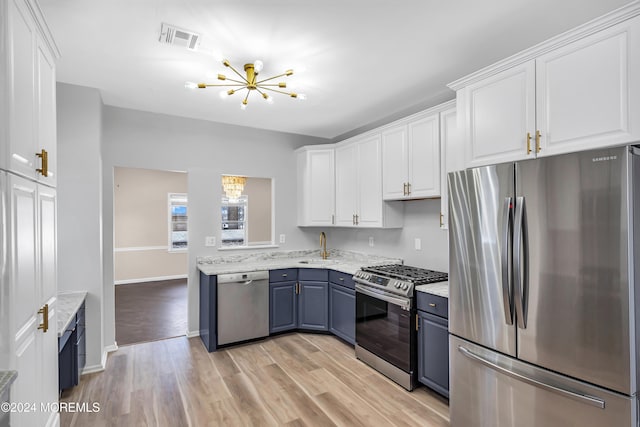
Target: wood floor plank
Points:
(287, 380)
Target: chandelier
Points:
(250, 83)
(233, 186)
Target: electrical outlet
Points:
(371, 241)
(210, 241)
(418, 244)
(282, 238)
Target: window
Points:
(234, 221)
(177, 222)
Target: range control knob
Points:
(397, 285)
(405, 286)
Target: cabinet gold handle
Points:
(408, 188)
(404, 188)
(417, 322)
(44, 170)
(45, 318)
(284, 275)
(297, 288)
(528, 143)
(431, 304)
(538, 136)
(441, 220)
(357, 219)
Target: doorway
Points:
(150, 254)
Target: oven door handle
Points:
(404, 303)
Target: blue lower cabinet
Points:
(208, 310)
(283, 306)
(298, 304)
(67, 359)
(433, 352)
(72, 351)
(313, 306)
(342, 312)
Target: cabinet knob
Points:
(284, 275)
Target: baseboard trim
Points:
(150, 279)
(191, 334)
(103, 362)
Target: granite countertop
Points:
(6, 379)
(344, 261)
(68, 305)
(440, 288)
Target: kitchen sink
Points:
(317, 261)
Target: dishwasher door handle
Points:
(248, 282)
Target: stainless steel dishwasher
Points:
(243, 306)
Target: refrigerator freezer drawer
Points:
(491, 389)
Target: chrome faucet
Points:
(323, 245)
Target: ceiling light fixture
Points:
(250, 83)
(233, 185)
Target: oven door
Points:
(385, 326)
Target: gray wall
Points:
(80, 206)
(205, 150)
(421, 220)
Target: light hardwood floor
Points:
(287, 380)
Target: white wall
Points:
(80, 206)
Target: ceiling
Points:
(359, 62)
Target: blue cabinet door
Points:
(342, 312)
(208, 306)
(313, 306)
(433, 352)
(283, 306)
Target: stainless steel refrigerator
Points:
(543, 291)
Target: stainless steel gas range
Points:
(386, 318)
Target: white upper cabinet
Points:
(411, 158)
(359, 186)
(450, 155)
(578, 91)
(500, 112)
(316, 186)
(28, 93)
(346, 184)
(588, 92)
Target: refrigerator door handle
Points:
(520, 262)
(507, 285)
(589, 400)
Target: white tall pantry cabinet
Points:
(28, 272)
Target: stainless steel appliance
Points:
(543, 290)
(243, 306)
(386, 318)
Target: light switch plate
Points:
(210, 241)
(282, 238)
(418, 244)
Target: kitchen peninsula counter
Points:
(343, 261)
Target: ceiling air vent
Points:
(170, 34)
